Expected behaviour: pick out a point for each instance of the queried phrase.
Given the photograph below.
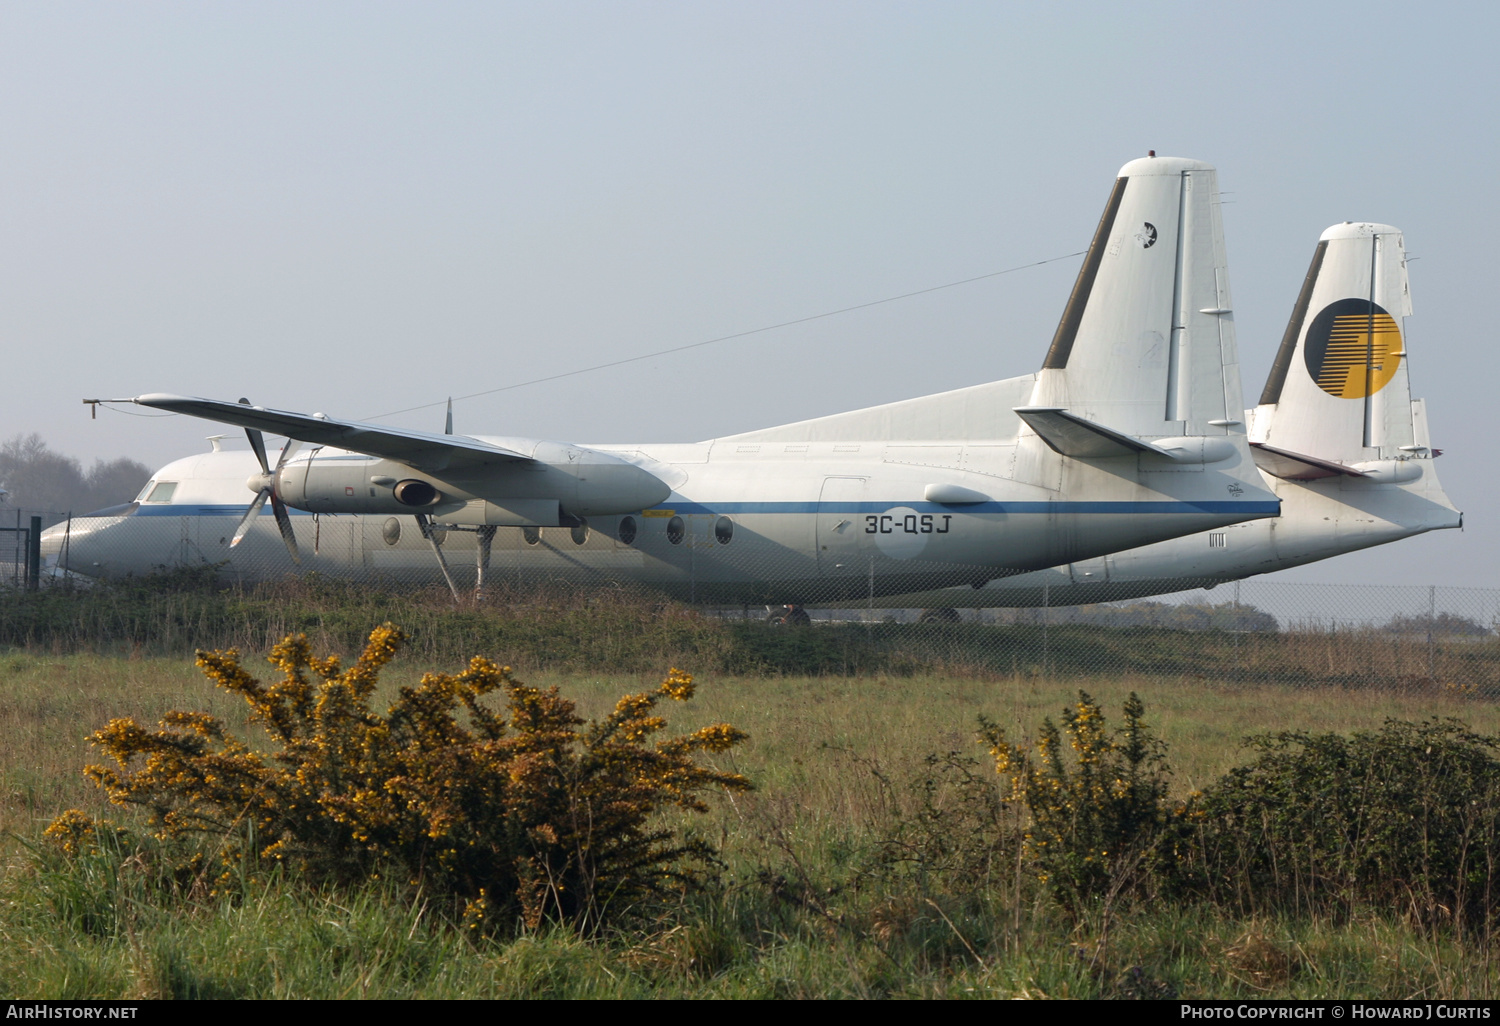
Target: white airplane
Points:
(1130, 434)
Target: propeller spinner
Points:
(264, 486)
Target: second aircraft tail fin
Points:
(1338, 394)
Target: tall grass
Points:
(863, 866)
(574, 630)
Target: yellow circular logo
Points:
(1353, 348)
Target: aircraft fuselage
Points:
(744, 522)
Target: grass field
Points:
(804, 906)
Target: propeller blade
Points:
(448, 426)
(284, 522)
(268, 491)
(250, 515)
(287, 452)
(257, 443)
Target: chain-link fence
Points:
(1255, 631)
(758, 604)
(21, 565)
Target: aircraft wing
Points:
(419, 449)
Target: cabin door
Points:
(841, 549)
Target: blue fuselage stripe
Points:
(741, 508)
(1042, 508)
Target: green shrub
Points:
(948, 826)
(527, 811)
(1098, 818)
(1405, 818)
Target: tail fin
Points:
(1338, 393)
(1146, 343)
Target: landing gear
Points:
(943, 615)
(789, 615)
(486, 540)
(435, 535)
(430, 532)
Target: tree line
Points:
(35, 477)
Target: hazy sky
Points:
(361, 207)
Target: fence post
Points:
(34, 555)
(1046, 617)
(1234, 625)
(1431, 627)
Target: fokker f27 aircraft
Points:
(1130, 434)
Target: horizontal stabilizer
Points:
(415, 448)
(1294, 466)
(1071, 435)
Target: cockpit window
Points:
(162, 492)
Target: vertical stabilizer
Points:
(1338, 390)
(1146, 344)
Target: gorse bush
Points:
(523, 811)
(1406, 818)
(1099, 816)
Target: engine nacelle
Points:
(558, 483)
(416, 493)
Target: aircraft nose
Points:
(77, 545)
(52, 542)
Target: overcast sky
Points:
(362, 207)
